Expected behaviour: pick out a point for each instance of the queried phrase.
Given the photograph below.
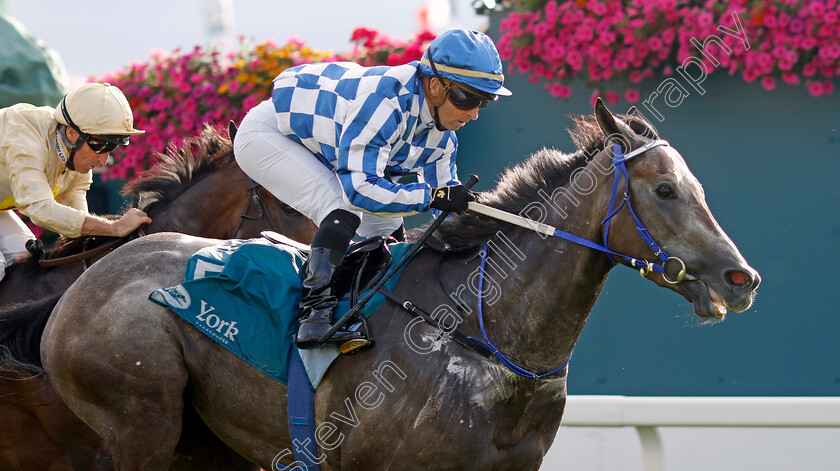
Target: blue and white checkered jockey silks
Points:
(365, 123)
(467, 57)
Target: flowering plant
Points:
(173, 95)
(626, 41)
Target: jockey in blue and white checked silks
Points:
(334, 137)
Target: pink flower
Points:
(816, 88)
(828, 87)
(790, 78)
(613, 96)
(559, 90)
(705, 19)
(599, 8)
(768, 82)
(816, 8)
(655, 44)
(542, 29)
(631, 95)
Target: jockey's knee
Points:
(336, 230)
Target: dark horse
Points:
(418, 400)
(197, 189)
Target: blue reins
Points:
(489, 345)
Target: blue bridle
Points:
(619, 160)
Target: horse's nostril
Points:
(738, 278)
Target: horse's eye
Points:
(665, 191)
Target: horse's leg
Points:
(123, 374)
(82, 446)
(24, 444)
(200, 450)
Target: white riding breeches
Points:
(293, 174)
(13, 237)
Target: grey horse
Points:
(418, 400)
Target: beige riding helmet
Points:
(97, 109)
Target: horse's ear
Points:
(639, 124)
(615, 129)
(606, 120)
(232, 130)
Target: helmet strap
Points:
(438, 124)
(72, 147)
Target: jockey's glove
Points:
(451, 199)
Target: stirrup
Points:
(340, 337)
(355, 345)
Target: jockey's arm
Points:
(34, 198)
(95, 225)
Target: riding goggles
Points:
(106, 144)
(464, 100)
(460, 98)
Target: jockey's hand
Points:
(451, 199)
(130, 221)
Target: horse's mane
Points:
(521, 184)
(174, 172)
(177, 169)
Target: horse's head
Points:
(669, 201)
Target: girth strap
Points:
(471, 343)
(468, 342)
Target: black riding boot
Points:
(319, 299)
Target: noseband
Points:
(262, 209)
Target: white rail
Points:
(647, 414)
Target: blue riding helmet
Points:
(467, 57)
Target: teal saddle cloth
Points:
(244, 294)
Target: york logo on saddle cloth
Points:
(213, 324)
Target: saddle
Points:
(365, 263)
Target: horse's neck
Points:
(209, 208)
(540, 306)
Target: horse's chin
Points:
(706, 301)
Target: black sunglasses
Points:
(464, 100)
(106, 144)
(461, 99)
